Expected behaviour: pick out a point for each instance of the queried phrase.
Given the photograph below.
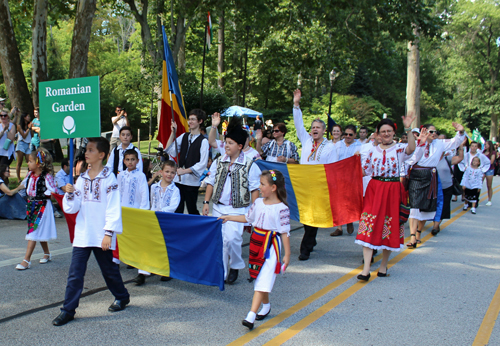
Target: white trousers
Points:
(232, 238)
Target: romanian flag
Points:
(182, 246)
(209, 31)
(170, 83)
(70, 218)
(322, 195)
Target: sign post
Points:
(70, 108)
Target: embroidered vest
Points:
(240, 192)
(40, 187)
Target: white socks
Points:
(265, 309)
(251, 317)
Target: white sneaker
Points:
(44, 260)
(488, 204)
(473, 210)
(57, 214)
(465, 207)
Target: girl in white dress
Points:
(270, 217)
(39, 185)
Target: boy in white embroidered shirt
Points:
(165, 197)
(134, 191)
(96, 198)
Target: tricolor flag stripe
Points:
(209, 32)
(313, 191)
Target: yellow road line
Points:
(346, 294)
(484, 332)
(321, 311)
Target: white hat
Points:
(416, 129)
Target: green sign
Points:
(70, 108)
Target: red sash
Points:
(261, 241)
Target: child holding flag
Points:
(232, 185)
(96, 198)
(270, 217)
(165, 197)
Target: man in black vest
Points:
(193, 159)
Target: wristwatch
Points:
(206, 202)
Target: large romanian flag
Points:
(322, 195)
(182, 246)
(170, 82)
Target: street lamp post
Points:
(333, 75)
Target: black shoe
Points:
(165, 278)
(364, 277)
(261, 317)
(140, 279)
(436, 231)
(382, 275)
(118, 305)
(303, 257)
(62, 319)
(247, 324)
(233, 275)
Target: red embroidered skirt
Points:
(262, 241)
(380, 226)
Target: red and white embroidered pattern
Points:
(401, 231)
(387, 227)
(366, 224)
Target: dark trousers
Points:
(189, 195)
(110, 271)
(309, 240)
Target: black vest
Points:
(40, 187)
(116, 161)
(190, 152)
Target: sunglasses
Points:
(349, 134)
(432, 132)
(3, 115)
(276, 131)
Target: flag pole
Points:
(175, 134)
(203, 65)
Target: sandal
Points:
(21, 267)
(410, 244)
(418, 240)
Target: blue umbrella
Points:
(237, 111)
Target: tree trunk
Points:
(39, 48)
(494, 120)
(222, 47)
(181, 65)
(85, 10)
(413, 81)
(10, 61)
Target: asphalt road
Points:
(442, 293)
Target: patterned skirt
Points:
(380, 227)
(41, 222)
(422, 188)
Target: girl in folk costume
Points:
(423, 181)
(472, 182)
(39, 185)
(233, 184)
(380, 227)
(270, 217)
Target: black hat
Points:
(236, 132)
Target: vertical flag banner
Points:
(170, 83)
(322, 195)
(209, 32)
(182, 246)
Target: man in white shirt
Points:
(192, 149)
(345, 149)
(363, 135)
(119, 120)
(316, 149)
